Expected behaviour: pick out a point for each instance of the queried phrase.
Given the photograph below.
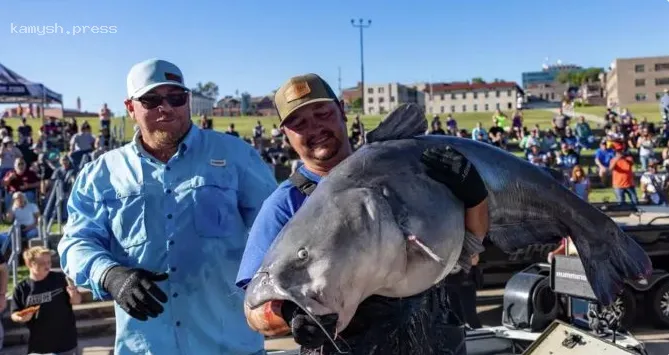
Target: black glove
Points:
(448, 166)
(305, 331)
(135, 291)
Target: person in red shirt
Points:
(622, 173)
(20, 179)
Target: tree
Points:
(356, 104)
(208, 89)
(478, 80)
(579, 77)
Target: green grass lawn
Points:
(649, 110)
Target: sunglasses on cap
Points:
(151, 101)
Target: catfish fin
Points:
(405, 121)
(416, 243)
(514, 236)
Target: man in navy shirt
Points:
(314, 123)
(603, 157)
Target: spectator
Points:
(479, 133)
(66, 173)
(580, 184)
(3, 125)
(52, 326)
(25, 132)
(20, 179)
(603, 157)
(494, 130)
(105, 117)
(653, 184)
(536, 157)
(567, 159)
(83, 141)
(646, 145)
(53, 132)
(26, 214)
(44, 169)
(4, 278)
(560, 122)
(451, 125)
(231, 130)
(105, 138)
(435, 119)
(549, 143)
(499, 140)
(436, 129)
(357, 132)
(622, 171)
(277, 134)
(584, 133)
(206, 123)
(665, 156)
(517, 124)
(664, 106)
(570, 139)
(499, 119)
(8, 155)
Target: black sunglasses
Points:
(151, 101)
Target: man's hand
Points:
(135, 291)
(448, 166)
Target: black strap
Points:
(303, 184)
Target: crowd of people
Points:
(29, 166)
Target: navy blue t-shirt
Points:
(275, 212)
(604, 156)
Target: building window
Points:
(487, 107)
(464, 108)
(380, 90)
(370, 90)
(442, 109)
(509, 106)
(508, 93)
(382, 109)
(497, 105)
(476, 107)
(442, 97)
(452, 96)
(452, 109)
(662, 81)
(381, 99)
(464, 95)
(496, 93)
(639, 68)
(552, 96)
(392, 99)
(476, 95)
(639, 82)
(661, 66)
(486, 95)
(640, 97)
(370, 100)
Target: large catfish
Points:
(378, 225)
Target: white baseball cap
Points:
(151, 73)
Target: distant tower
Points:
(78, 104)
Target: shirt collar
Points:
(188, 143)
(309, 174)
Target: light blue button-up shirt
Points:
(190, 218)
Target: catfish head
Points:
(342, 246)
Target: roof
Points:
(464, 86)
(197, 94)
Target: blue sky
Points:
(256, 45)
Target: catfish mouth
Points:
(263, 289)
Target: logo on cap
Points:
(173, 77)
(297, 91)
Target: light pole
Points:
(362, 25)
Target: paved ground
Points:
(490, 313)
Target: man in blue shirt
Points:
(159, 225)
(315, 126)
(603, 157)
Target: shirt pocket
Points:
(214, 206)
(126, 211)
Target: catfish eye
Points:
(302, 253)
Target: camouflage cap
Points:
(299, 91)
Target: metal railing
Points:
(54, 204)
(13, 240)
